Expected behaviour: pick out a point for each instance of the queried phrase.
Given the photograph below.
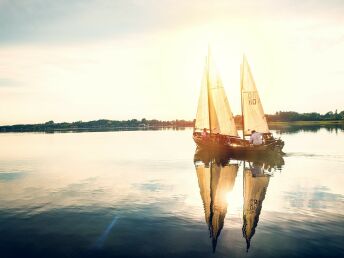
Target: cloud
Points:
(9, 176)
(56, 21)
(83, 59)
(6, 82)
(79, 20)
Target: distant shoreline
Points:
(284, 124)
(331, 122)
(80, 130)
(134, 125)
(97, 125)
(281, 119)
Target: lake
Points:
(140, 194)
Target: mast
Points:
(243, 194)
(242, 106)
(208, 88)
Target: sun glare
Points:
(235, 199)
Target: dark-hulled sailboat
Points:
(215, 127)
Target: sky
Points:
(72, 60)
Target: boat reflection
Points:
(215, 180)
(256, 182)
(217, 172)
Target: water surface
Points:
(139, 194)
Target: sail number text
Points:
(252, 97)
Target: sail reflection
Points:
(216, 175)
(256, 182)
(215, 181)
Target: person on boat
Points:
(204, 134)
(256, 138)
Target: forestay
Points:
(213, 111)
(252, 109)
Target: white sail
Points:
(252, 109)
(202, 116)
(213, 112)
(212, 98)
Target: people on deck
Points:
(204, 134)
(256, 138)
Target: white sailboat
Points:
(215, 126)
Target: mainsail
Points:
(215, 181)
(202, 116)
(255, 186)
(213, 112)
(252, 109)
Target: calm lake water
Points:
(139, 194)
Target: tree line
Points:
(290, 116)
(105, 124)
(294, 116)
(95, 125)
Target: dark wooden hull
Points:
(239, 146)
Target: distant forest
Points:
(108, 125)
(294, 116)
(290, 116)
(96, 125)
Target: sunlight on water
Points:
(139, 194)
(234, 198)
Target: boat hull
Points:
(239, 146)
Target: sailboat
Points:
(215, 126)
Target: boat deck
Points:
(235, 144)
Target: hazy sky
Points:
(73, 60)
